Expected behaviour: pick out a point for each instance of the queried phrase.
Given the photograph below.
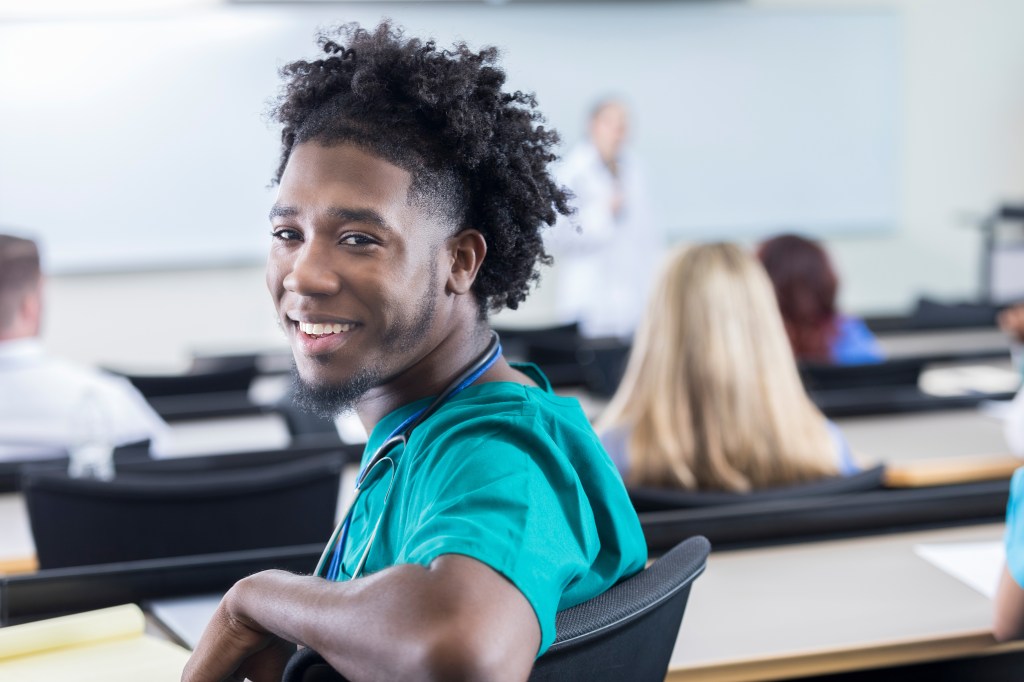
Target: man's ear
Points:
(467, 250)
(28, 316)
(31, 310)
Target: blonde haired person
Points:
(711, 398)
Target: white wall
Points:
(740, 112)
(964, 150)
(963, 137)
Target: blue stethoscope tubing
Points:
(330, 559)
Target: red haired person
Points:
(806, 286)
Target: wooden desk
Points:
(827, 607)
(932, 448)
(17, 550)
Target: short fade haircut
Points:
(19, 274)
(476, 153)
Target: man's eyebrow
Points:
(354, 215)
(359, 215)
(278, 211)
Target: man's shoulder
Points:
(74, 379)
(507, 405)
(515, 432)
(83, 375)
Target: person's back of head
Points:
(20, 278)
(711, 393)
(805, 287)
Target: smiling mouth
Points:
(318, 329)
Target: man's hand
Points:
(233, 647)
(1011, 321)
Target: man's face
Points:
(354, 272)
(608, 130)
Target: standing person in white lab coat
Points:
(605, 254)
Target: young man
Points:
(412, 193)
(48, 405)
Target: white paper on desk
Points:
(978, 564)
(186, 617)
(965, 380)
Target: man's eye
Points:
(357, 240)
(286, 234)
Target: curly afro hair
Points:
(476, 153)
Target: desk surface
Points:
(803, 609)
(831, 606)
(942, 342)
(924, 435)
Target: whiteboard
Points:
(141, 143)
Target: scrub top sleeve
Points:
(1014, 537)
(493, 503)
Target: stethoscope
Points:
(382, 457)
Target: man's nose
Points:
(312, 273)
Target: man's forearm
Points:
(406, 622)
(356, 635)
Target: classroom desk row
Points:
(812, 608)
(828, 607)
(963, 435)
(864, 605)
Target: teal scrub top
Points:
(512, 476)
(1014, 537)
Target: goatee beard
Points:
(329, 401)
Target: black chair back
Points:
(626, 633)
(658, 499)
(11, 469)
(827, 517)
(604, 363)
(516, 342)
(230, 379)
(137, 460)
(932, 314)
(165, 514)
(896, 372)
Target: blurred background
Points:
(134, 144)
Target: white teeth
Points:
(320, 329)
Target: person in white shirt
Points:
(605, 254)
(48, 405)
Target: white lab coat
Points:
(605, 268)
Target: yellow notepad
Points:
(102, 646)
